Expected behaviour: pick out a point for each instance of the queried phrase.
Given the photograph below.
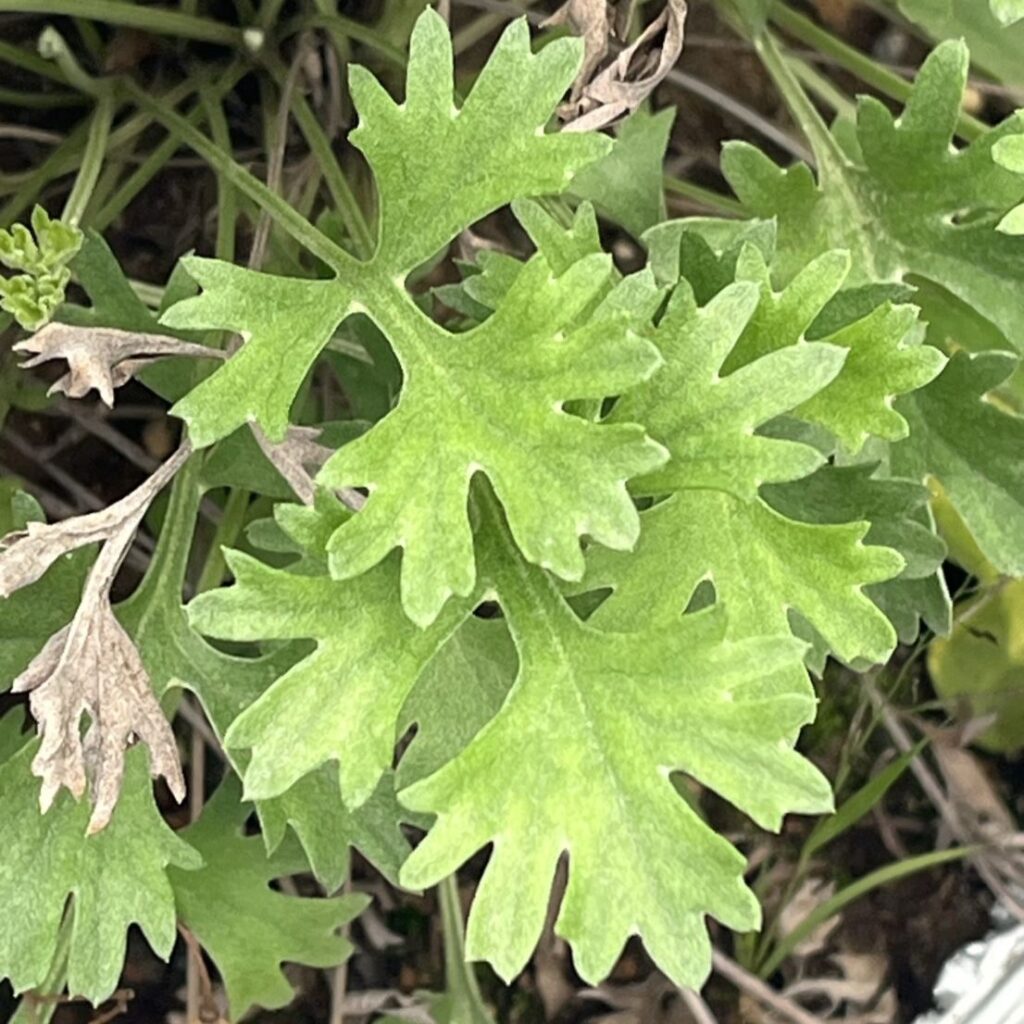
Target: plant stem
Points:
(228, 529)
(297, 226)
(340, 189)
(826, 150)
(28, 61)
(467, 1004)
(705, 196)
(40, 1010)
(223, 82)
(92, 161)
(800, 27)
(158, 20)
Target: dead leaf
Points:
(294, 457)
(589, 19)
(629, 79)
(652, 1001)
(26, 554)
(92, 667)
(103, 358)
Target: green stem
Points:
(341, 191)
(705, 196)
(223, 82)
(23, 100)
(67, 157)
(822, 87)
(467, 1004)
(227, 198)
(92, 161)
(52, 47)
(158, 20)
(826, 150)
(338, 24)
(803, 29)
(298, 227)
(28, 61)
(227, 532)
(45, 1005)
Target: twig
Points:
(699, 1010)
(757, 989)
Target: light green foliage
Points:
(457, 694)
(973, 448)
(40, 257)
(599, 515)
(287, 322)
(626, 184)
(1009, 153)
(908, 205)
(469, 161)
(116, 878)
(707, 420)
(761, 565)
(899, 517)
(981, 664)
(1008, 11)
(343, 699)
(578, 760)
(454, 418)
(249, 929)
(995, 42)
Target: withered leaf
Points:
(103, 358)
(92, 667)
(589, 19)
(617, 90)
(26, 554)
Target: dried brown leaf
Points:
(590, 19)
(26, 554)
(92, 667)
(103, 358)
(629, 79)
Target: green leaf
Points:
(981, 664)
(472, 159)
(910, 206)
(1007, 11)
(995, 45)
(116, 878)
(456, 417)
(286, 321)
(458, 693)
(857, 804)
(707, 420)
(1009, 153)
(33, 295)
(760, 563)
(578, 760)
(469, 161)
(625, 185)
(314, 810)
(885, 357)
(342, 701)
(899, 517)
(973, 449)
(175, 655)
(249, 929)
